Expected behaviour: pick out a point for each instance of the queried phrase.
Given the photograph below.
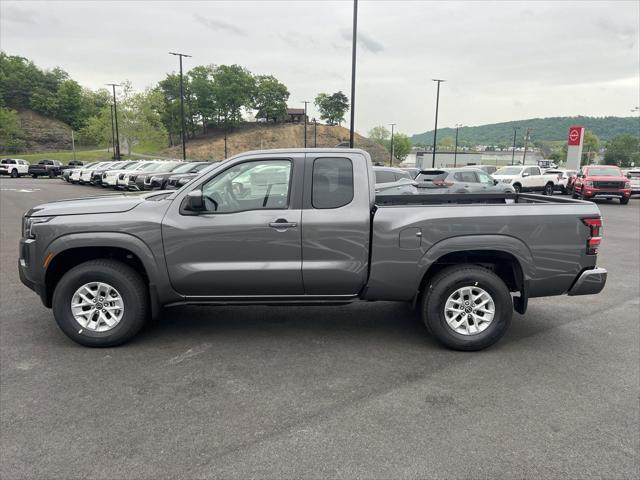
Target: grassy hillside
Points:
(543, 129)
(253, 136)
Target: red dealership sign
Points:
(575, 135)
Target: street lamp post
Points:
(391, 150)
(353, 71)
(455, 152)
(513, 151)
(116, 154)
(526, 143)
(184, 137)
(435, 128)
(113, 136)
(315, 133)
(305, 122)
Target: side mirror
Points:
(194, 202)
(628, 175)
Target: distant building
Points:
(294, 115)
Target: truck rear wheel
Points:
(466, 307)
(100, 303)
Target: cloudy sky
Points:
(501, 61)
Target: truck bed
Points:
(545, 234)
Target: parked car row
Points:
(136, 175)
(16, 167)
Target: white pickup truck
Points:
(14, 167)
(526, 179)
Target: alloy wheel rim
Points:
(97, 306)
(469, 310)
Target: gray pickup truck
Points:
(291, 227)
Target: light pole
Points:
(353, 71)
(305, 122)
(116, 154)
(315, 133)
(435, 128)
(113, 136)
(526, 142)
(455, 152)
(391, 149)
(513, 152)
(184, 138)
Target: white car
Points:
(122, 180)
(634, 180)
(85, 173)
(525, 178)
(110, 176)
(14, 167)
(562, 176)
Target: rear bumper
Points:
(589, 282)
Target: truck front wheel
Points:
(466, 307)
(100, 303)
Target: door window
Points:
(262, 184)
(332, 182)
(384, 176)
(532, 171)
(465, 177)
(484, 178)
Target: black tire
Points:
(33, 175)
(124, 279)
(548, 189)
(51, 174)
(14, 173)
(575, 195)
(624, 201)
(564, 190)
(517, 187)
(442, 285)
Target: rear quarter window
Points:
(332, 183)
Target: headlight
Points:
(28, 224)
(588, 183)
(627, 184)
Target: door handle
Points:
(282, 223)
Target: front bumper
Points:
(604, 193)
(29, 274)
(589, 282)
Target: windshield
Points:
(183, 168)
(509, 171)
(148, 166)
(604, 171)
(202, 166)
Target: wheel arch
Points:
(507, 257)
(72, 250)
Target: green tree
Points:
(623, 150)
(590, 147)
(332, 107)
(12, 137)
(270, 98)
(234, 88)
(202, 89)
(401, 146)
(380, 135)
(139, 118)
(97, 129)
(69, 103)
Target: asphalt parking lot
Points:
(334, 392)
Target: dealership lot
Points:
(356, 391)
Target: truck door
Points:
(247, 241)
(335, 224)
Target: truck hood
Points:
(101, 204)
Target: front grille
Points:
(607, 184)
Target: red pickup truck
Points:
(602, 181)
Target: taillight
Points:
(595, 227)
(442, 183)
